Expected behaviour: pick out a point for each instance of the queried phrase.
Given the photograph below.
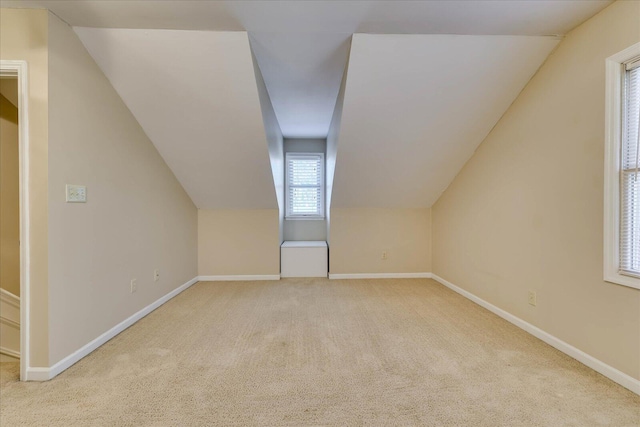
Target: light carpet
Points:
(309, 352)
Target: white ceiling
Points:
(417, 106)
(302, 46)
(194, 92)
(303, 75)
(202, 111)
(484, 17)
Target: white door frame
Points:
(19, 69)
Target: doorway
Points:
(9, 222)
(14, 215)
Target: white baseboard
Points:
(610, 372)
(38, 374)
(380, 276)
(44, 374)
(245, 277)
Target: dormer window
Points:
(305, 186)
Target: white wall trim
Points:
(19, 69)
(608, 371)
(9, 298)
(9, 352)
(239, 277)
(380, 276)
(38, 374)
(9, 322)
(44, 374)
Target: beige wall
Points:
(360, 235)
(238, 242)
(137, 217)
(9, 198)
(24, 36)
(526, 211)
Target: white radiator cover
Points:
(304, 259)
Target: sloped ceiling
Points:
(403, 137)
(483, 17)
(195, 95)
(303, 73)
(301, 46)
(417, 106)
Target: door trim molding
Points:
(19, 69)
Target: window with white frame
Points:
(305, 186)
(622, 169)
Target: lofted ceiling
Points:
(184, 68)
(481, 17)
(202, 112)
(407, 130)
(301, 46)
(303, 75)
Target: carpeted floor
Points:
(317, 352)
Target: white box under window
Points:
(304, 259)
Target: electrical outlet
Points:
(156, 275)
(384, 255)
(134, 285)
(532, 298)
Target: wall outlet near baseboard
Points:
(156, 275)
(134, 285)
(384, 255)
(533, 300)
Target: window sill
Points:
(304, 218)
(621, 279)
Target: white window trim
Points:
(322, 188)
(613, 139)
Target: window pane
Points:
(304, 200)
(630, 223)
(631, 120)
(305, 183)
(304, 172)
(630, 178)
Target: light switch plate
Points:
(76, 193)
